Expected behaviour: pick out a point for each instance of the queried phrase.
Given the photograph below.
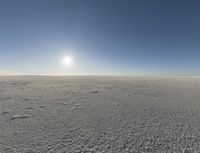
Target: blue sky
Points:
(113, 37)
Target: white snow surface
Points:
(99, 114)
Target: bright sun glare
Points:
(68, 61)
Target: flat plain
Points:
(99, 114)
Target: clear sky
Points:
(117, 37)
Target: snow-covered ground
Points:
(99, 114)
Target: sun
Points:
(68, 61)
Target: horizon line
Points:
(96, 75)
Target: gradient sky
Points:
(117, 37)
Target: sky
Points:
(104, 37)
